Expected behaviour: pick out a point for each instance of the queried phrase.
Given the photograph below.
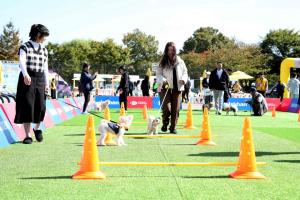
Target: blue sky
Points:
(245, 20)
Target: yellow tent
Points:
(239, 75)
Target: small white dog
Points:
(230, 107)
(100, 106)
(153, 123)
(117, 128)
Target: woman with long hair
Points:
(171, 76)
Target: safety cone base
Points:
(189, 127)
(206, 142)
(89, 175)
(247, 175)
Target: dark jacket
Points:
(145, 86)
(217, 83)
(205, 83)
(86, 81)
(124, 83)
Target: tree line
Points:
(139, 51)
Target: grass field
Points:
(44, 170)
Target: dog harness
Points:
(115, 127)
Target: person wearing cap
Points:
(86, 83)
(123, 88)
(258, 103)
(262, 84)
(218, 83)
(171, 75)
(33, 83)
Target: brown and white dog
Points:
(153, 123)
(230, 107)
(208, 106)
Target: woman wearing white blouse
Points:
(33, 83)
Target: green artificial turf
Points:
(44, 170)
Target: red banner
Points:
(279, 106)
(139, 102)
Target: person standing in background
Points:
(145, 86)
(293, 86)
(130, 87)
(33, 83)
(53, 89)
(86, 82)
(262, 84)
(123, 88)
(154, 87)
(171, 75)
(218, 82)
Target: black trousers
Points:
(123, 98)
(30, 99)
(53, 93)
(280, 95)
(87, 97)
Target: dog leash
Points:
(80, 109)
(163, 101)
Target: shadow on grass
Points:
(288, 161)
(76, 134)
(47, 177)
(206, 176)
(235, 154)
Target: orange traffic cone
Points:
(122, 110)
(205, 133)
(299, 116)
(89, 168)
(145, 112)
(273, 112)
(109, 136)
(189, 118)
(247, 162)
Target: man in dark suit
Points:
(218, 82)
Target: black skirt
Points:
(31, 99)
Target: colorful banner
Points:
(10, 112)
(67, 109)
(7, 134)
(155, 102)
(241, 103)
(75, 111)
(139, 102)
(114, 100)
(294, 106)
(53, 112)
(59, 109)
(284, 105)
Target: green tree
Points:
(104, 57)
(203, 39)
(107, 56)
(9, 42)
(280, 44)
(237, 56)
(143, 50)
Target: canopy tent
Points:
(240, 75)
